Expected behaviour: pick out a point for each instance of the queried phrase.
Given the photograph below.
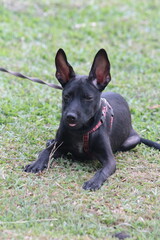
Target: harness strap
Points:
(17, 74)
(104, 112)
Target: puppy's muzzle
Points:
(71, 119)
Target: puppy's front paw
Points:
(96, 182)
(35, 167)
(91, 185)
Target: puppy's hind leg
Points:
(131, 141)
(49, 142)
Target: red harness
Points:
(104, 112)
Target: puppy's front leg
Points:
(41, 163)
(107, 159)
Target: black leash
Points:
(31, 78)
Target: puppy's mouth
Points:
(72, 124)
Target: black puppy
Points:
(93, 125)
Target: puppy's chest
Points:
(75, 144)
(77, 147)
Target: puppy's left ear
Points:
(100, 70)
(64, 71)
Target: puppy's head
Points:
(81, 94)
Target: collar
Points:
(105, 107)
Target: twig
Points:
(59, 185)
(52, 153)
(125, 224)
(27, 221)
(154, 107)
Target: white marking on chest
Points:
(79, 147)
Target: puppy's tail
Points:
(150, 143)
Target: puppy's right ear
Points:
(64, 71)
(100, 71)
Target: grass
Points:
(52, 205)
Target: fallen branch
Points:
(55, 148)
(154, 107)
(27, 221)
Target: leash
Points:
(37, 80)
(101, 121)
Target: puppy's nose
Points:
(71, 117)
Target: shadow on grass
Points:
(76, 165)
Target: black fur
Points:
(81, 111)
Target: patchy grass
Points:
(52, 205)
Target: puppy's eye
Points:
(88, 98)
(66, 97)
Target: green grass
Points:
(53, 205)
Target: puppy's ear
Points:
(100, 70)
(64, 71)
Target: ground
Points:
(53, 205)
